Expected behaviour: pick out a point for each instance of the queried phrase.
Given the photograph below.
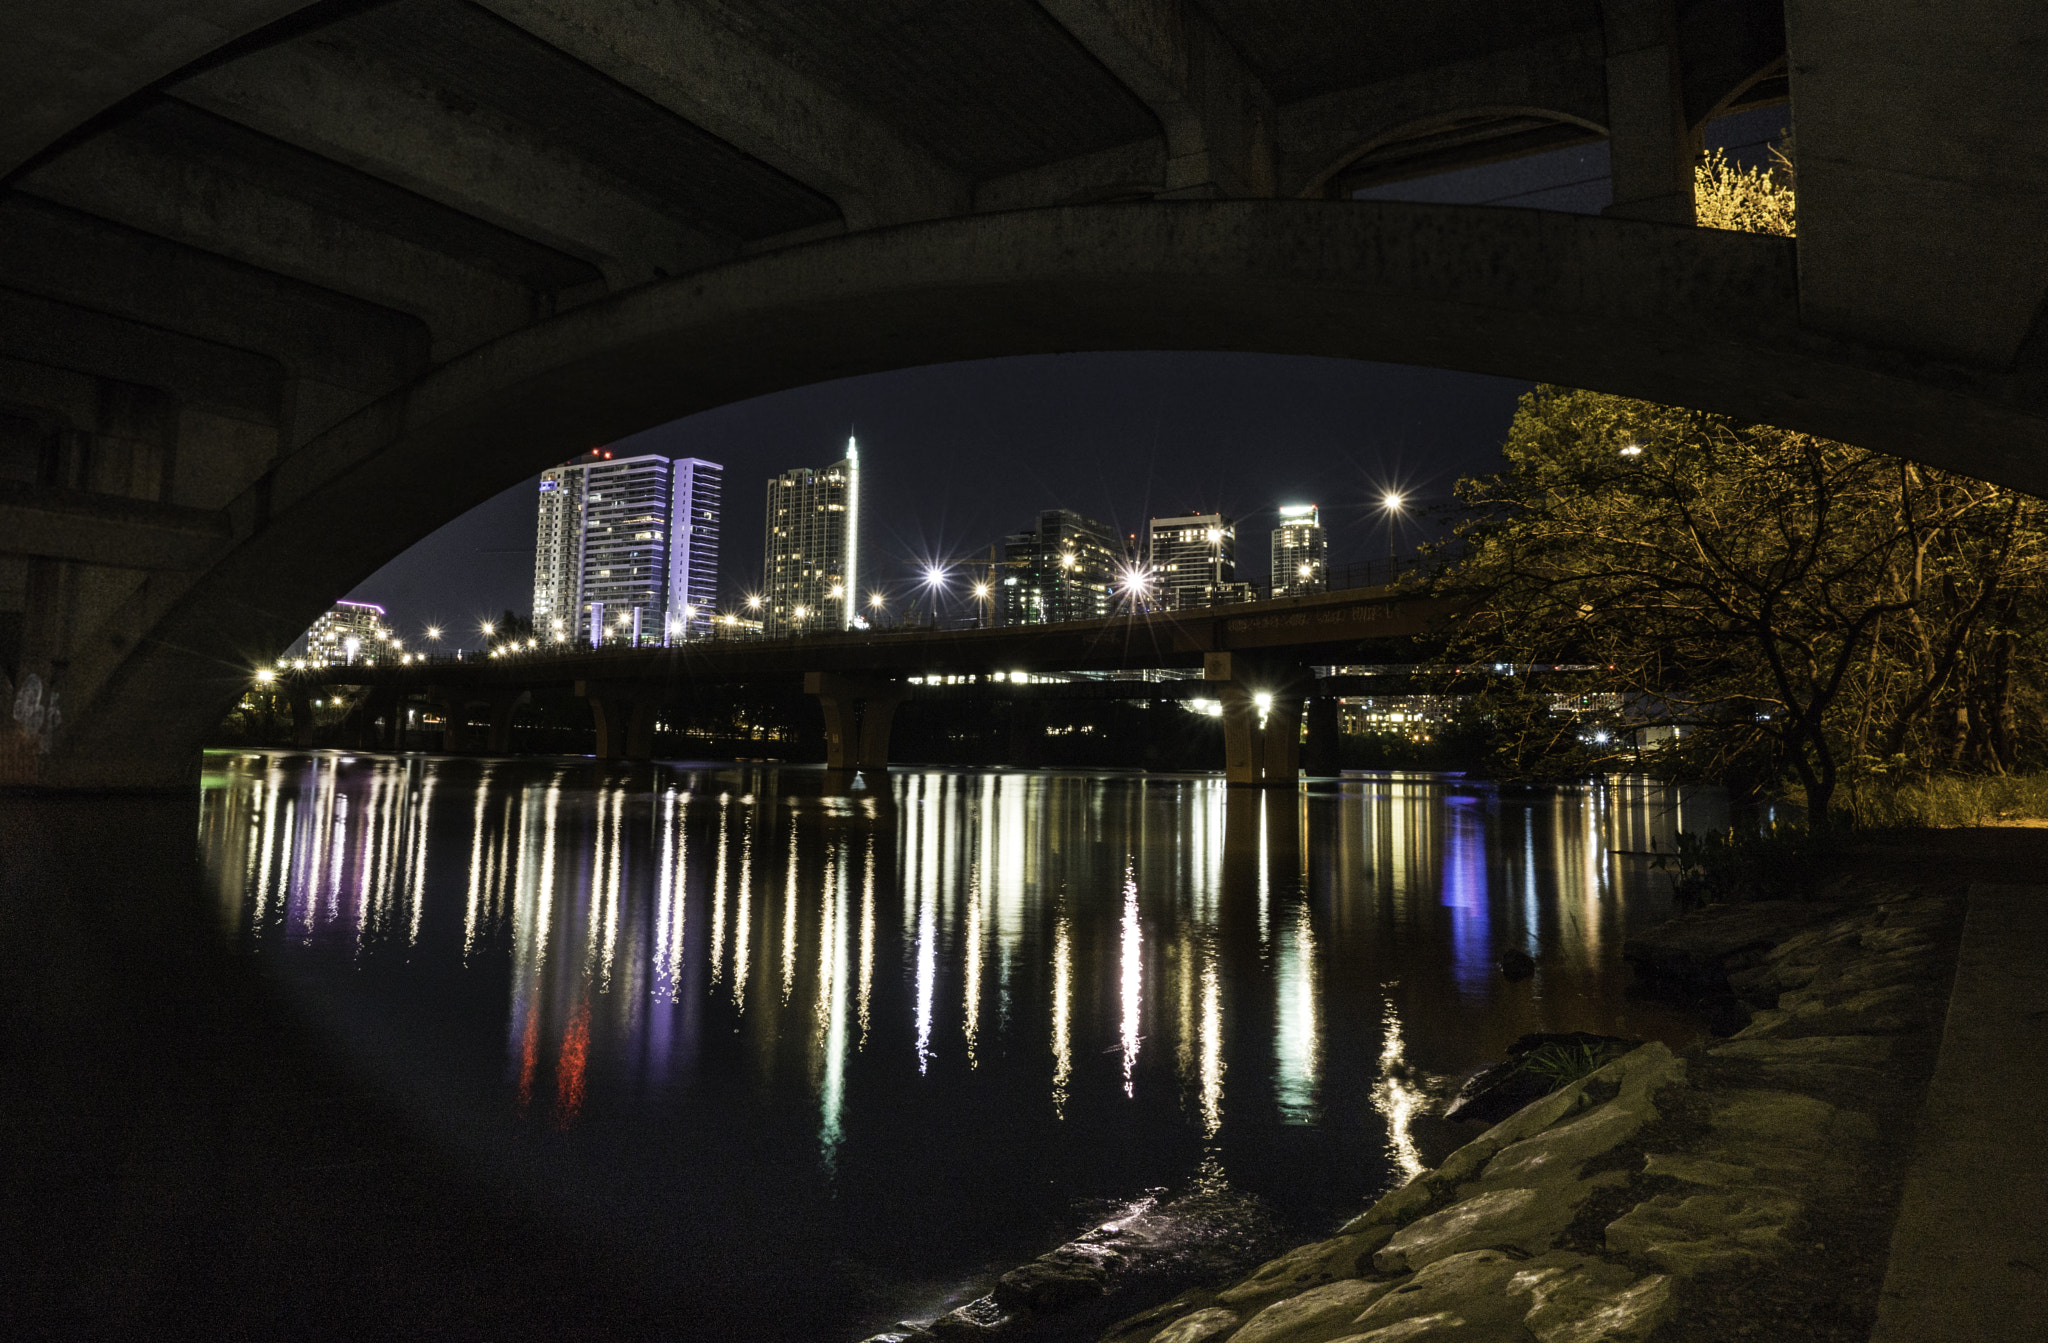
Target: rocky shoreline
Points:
(1742, 1189)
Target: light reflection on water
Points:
(921, 1024)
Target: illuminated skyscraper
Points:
(1065, 568)
(626, 546)
(350, 632)
(558, 553)
(811, 553)
(695, 509)
(1300, 552)
(1193, 559)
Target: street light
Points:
(434, 632)
(489, 629)
(1391, 502)
(935, 579)
(981, 597)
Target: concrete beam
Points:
(342, 106)
(686, 60)
(36, 330)
(87, 262)
(1923, 173)
(1217, 115)
(1317, 139)
(67, 61)
(1650, 145)
(128, 180)
(107, 530)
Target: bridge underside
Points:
(284, 287)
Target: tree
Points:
(1790, 605)
(1787, 605)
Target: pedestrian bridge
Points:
(285, 286)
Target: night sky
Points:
(955, 456)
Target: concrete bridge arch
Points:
(283, 285)
(1690, 316)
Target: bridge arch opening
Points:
(1686, 316)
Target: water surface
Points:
(823, 1055)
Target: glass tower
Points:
(693, 523)
(1193, 559)
(811, 556)
(1300, 552)
(624, 546)
(1065, 568)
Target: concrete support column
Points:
(499, 739)
(1280, 740)
(302, 712)
(1243, 751)
(1258, 752)
(381, 705)
(859, 712)
(1319, 754)
(1027, 732)
(623, 717)
(455, 734)
(1650, 147)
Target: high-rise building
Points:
(1190, 555)
(349, 633)
(627, 550)
(1064, 568)
(811, 556)
(558, 554)
(695, 509)
(1300, 552)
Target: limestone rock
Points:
(1886, 1011)
(1317, 1315)
(1903, 937)
(902, 1332)
(980, 1318)
(1598, 1304)
(1147, 1324)
(1525, 1219)
(1691, 953)
(1442, 1327)
(1868, 1051)
(1052, 1282)
(1556, 1155)
(1461, 1296)
(1401, 1203)
(1700, 1170)
(1494, 1093)
(1203, 1325)
(1687, 1235)
(1309, 1266)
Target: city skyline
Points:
(964, 455)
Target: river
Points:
(829, 1055)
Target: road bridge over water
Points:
(284, 285)
(1254, 659)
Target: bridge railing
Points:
(1339, 578)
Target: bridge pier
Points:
(456, 738)
(502, 707)
(301, 701)
(859, 711)
(1319, 753)
(1261, 742)
(624, 721)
